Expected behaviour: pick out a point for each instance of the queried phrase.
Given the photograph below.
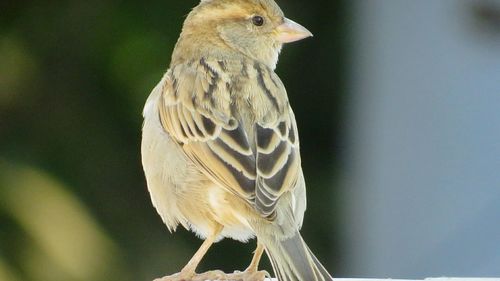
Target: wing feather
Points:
(251, 150)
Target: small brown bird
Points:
(220, 146)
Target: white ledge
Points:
(426, 279)
(390, 279)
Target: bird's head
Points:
(255, 28)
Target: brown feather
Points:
(240, 159)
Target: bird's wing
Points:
(258, 161)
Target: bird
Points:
(220, 145)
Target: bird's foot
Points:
(180, 276)
(212, 275)
(248, 275)
(218, 275)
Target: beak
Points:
(290, 31)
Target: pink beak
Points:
(290, 31)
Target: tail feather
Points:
(292, 260)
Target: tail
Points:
(292, 260)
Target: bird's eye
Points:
(257, 20)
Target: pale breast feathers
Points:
(233, 120)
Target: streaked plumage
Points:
(220, 143)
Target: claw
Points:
(210, 275)
(180, 276)
(218, 275)
(248, 275)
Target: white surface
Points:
(426, 279)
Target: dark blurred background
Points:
(74, 76)
(398, 108)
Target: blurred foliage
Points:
(60, 239)
(74, 76)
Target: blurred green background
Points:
(74, 76)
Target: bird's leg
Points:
(195, 260)
(251, 273)
(188, 272)
(254, 264)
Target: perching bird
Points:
(220, 146)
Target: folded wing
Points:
(258, 160)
